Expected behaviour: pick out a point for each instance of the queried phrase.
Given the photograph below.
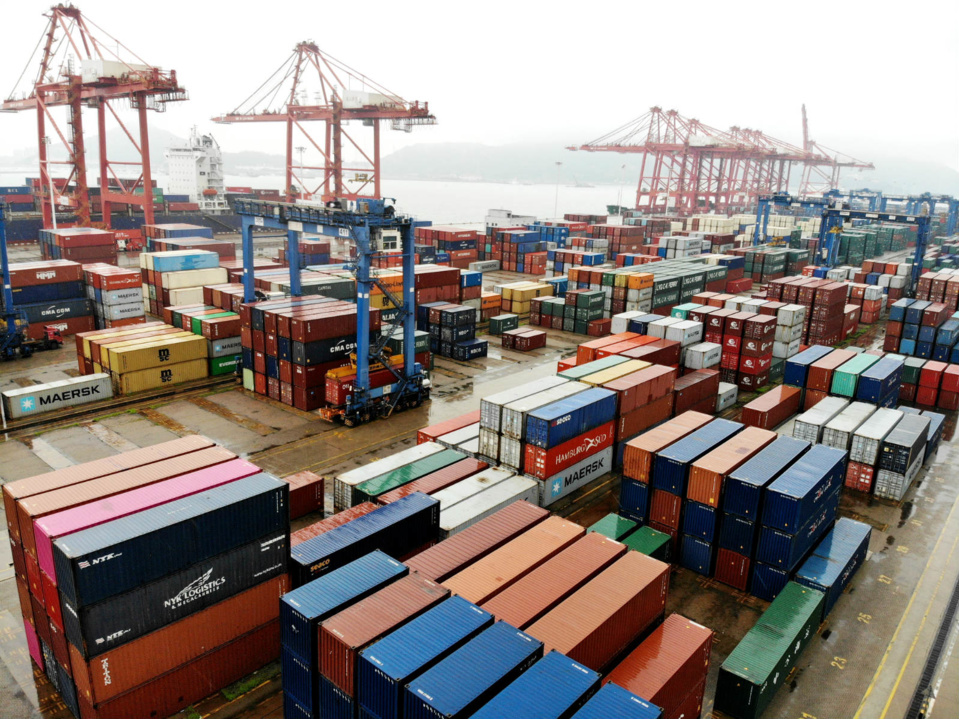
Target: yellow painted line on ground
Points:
(895, 636)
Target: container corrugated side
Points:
(639, 452)
(36, 399)
(147, 379)
(839, 430)
(614, 701)
(513, 419)
(472, 675)
(371, 489)
(546, 586)
(491, 407)
(809, 425)
(485, 578)
(601, 618)
(671, 465)
(473, 543)
(437, 481)
(785, 551)
(550, 689)
(745, 485)
(471, 486)
(158, 353)
(343, 484)
(486, 503)
(798, 493)
(707, 474)
(835, 560)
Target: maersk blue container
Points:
(797, 495)
(785, 551)
(386, 667)
(671, 465)
(797, 365)
(910, 332)
(876, 382)
(396, 528)
(196, 260)
(737, 534)
(696, 555)
(907, 347)
(552, 688)
(473, 674)
(614, 701)
(634, 500)
(835, 560)
(897, 310)
(744, 488)
(767, 581)
(699, 520)
(555, 423)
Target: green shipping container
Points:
(760, 663)
(421, 342)
(591, 299)
(912, 369)
(369, 490)
(501, 323)
(650, 542)
(224, 365)
(682, 311)
(846, 376)
(614, 527)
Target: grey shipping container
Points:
(491, 407)
(867, 441)
(30, 401)
(224, 347)
(122, 312)
(809, 424)
(839, 431)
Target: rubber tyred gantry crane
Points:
(339, 95)
(79, 68)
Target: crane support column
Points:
(293, 260)
(247, 229)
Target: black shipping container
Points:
(461, 316)
(904, 444)
(126, 553)
(59, 310)
(120, 619)
(457, 334)
(322, 351)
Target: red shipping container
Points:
(543, 463)
(859, 477)
(890, 344)
(907, 392)
(732, 344)
(950, 378)
(642, 418)
(926, 396)
(602, 618)
(749, 382)
(732, 568)
(665, 508)
(931, 374)
(708, 473)
(948, 400)
(819, 376)
(343, 636)
(441, 561)
(638, 453)
(429, 434)
(306, 493)
(756, 348)
(771, 409)
(640, 388)
(755, 365)
(46, 272)
(669, 667)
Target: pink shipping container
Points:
(669, 668)
(433, 483)
(600, 620)
(429, 434)
(462, 549)
(33, 643)
(345, 635)
(546, 586)
(490, 575)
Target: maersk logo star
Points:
(27, 404)
(557, 485)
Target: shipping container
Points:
(835, 560)
(904, 444)
(880, 382)
(809, 425)
(671, 465)
(614, 527)
(745, 486)
(544, 587)
(513, 416)
(784, 551)
(344, 485)
(839, 431)
(36, 399)
(473, 543)
(471, 486)
(761, 662)
(771, 409)
(794, 498)
(639, 452)
(491, 407)
(397, 529)
(472, 675)
(669, 666)
(553, 688)
(155, 377)
(390, 664)
(371, 489)
(561, 421)
(436, 481)
(580, 474)
(486, 503)
(707, 475)
(543, 463)
(650, 542)
(306, 493)
(614, 701)
(600, 619)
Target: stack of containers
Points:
(669, 667)
(839, 431)
(86, 245)
(880, 383)
(810, 424)
(491, 413)
(819, 376)
(901, 457)
(452, 330)
(835, 561)
(707, 478)
(771, 409)
(798, 508)
(177, 278)
(524, 340)
(826, 314)
(174, 230)
(513, 425)
(224, 248)
(756, 349)
(50, 293)
(790, 322)
(866, 447)
(117, 295)
(104, 632)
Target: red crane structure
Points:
(819, 178)
(339, 94)
(689, 167)
(81, 69)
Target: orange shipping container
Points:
(819, 376)
(638, 454)
(484, 579)
(707, 473)
(769, 410)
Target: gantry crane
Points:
(339, 95)
(78, 69)
(782, 199)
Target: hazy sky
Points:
(872, 79)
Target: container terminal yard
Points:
(296, 453)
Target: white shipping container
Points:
(703, 355)
(122, 312)
(839, 431)
(511, 452)
(867, 440)
(579, 475)
(466, 514)
(121, 297)
(489, 444)
(736, 303)
(343, 484)
(643, 307)
(809, 424)
(471, 486)
(193, 278)
(491, 407)
(620, 322)
(892, 485)
(787, 334)
(686, 332)
(784, 350)
(791, 315)
(40, 398)
(727, 396)
(470, 447)
(513, 422)
(658, 328)
(753, 305)
(457, 437)
(484, 266)
(186, 296)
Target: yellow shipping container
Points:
(161, 352)
(151, 339)
(109, 335)
(518, 308)
(142, 380)
(621, 370)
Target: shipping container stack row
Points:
(312, 251)
(226, 249)
(220, 328)
(116, 293)
(178, 277)
(455, 245)
(521, 610)
(869, 291)
(579, 311)
(452, 330)
(197, 543)
(829, 319)
(51, 293)
(925, 329)
(85, 245)
(175, 230)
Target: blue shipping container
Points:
(878, 381)
(195, 260)
(924, 350)
(292, 709)
(927, 334)
(386, 667)
(914, 311)
(835, 560)
(910, 332)
(555, 423)
(551, 689)
(614, 701)
(671, 465)
(334, 703)
(798, 365)
(161, 540)
(699, 520)
(473, 674)
(47, 293)
(796, 496)
(56, 310)
(767, 581)
(737, 534)
(634, 500)
(743, 493)
(696, 555)
(936, 424)
(907, 347)
(785, 551)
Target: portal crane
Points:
(365, 222)
(341, 95)
(80, 69)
